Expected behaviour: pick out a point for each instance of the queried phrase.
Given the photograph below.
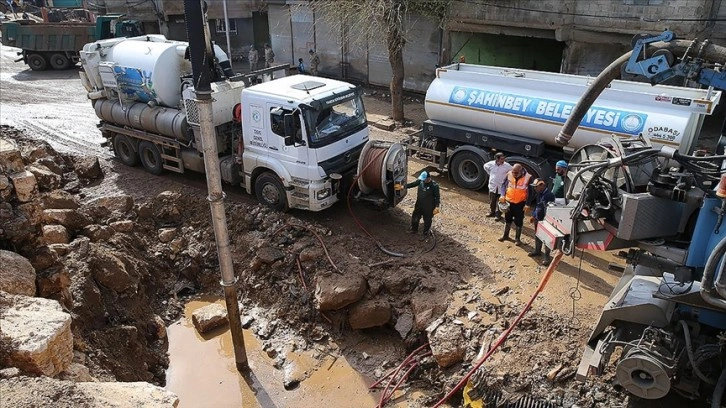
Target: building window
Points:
(221, 28)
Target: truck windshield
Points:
(334, 122)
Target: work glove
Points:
(398, 186)
(436, 210)
(502, 200)
(532, 220)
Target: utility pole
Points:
(201, 56)
(226, 25)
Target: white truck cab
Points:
(302, 135)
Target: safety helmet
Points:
(503, 206)
(561, 163)
(423, 176)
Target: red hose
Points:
(545, 278)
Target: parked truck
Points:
(56, 45)
(294, 142)
(475, 111)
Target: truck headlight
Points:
(322, 194)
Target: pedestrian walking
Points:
(269, 56)
(300, 66)
(542, 197)
(314, 62)
(558, 184)
(516, 193)
(427, 204)
(253, 56)
(497, 170)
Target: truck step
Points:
(172, 163)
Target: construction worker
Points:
(301, 66)
(558, 185)
(516, 192)
(497, 170)
(541, 198)
(314, 62)
(427, 202)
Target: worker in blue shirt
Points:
(427, 201)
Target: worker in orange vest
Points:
(517, 189)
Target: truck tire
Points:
(59, 61)
(467, 170)
(150, 158)
(270, 192)
(123, 148)
(37, 62)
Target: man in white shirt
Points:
(497, 170)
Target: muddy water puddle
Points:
(202, 372)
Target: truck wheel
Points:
(270, 192)
(150, 157)
(59, 61)
(467, 169)
(37, 62)
(123, 148)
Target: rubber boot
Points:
(517, 236)
(547, 258)
(537, 248)
(505, 237)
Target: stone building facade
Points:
(570, 36)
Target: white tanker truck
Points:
(477, 110)
(295, 142)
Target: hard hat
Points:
(537, 182)
(423, 176)
(503, 206)
(561, 163)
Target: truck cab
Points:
(302, 138)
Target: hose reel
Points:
(381, 165)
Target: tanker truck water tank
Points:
(535, 104)
(147, 71)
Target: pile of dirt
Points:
(125, 267)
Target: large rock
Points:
(369, 313)
(121, 203)
(70, 219)
(97, 232)
(447, 342)
(427, 308)
(336, 291)
(6, 189)
(87, 168)
(122, 226)
(55, 283)
(51, 165)
(268, 255)
(47, 180)
(17, 275)
(25, 184)
(10, 158)
(209, 317)
(61, 200)
(44, 391)
(165, 208)
(110, 271)
(38, 334)
(55, 234)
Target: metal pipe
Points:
(226, 31)
(203, 94)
